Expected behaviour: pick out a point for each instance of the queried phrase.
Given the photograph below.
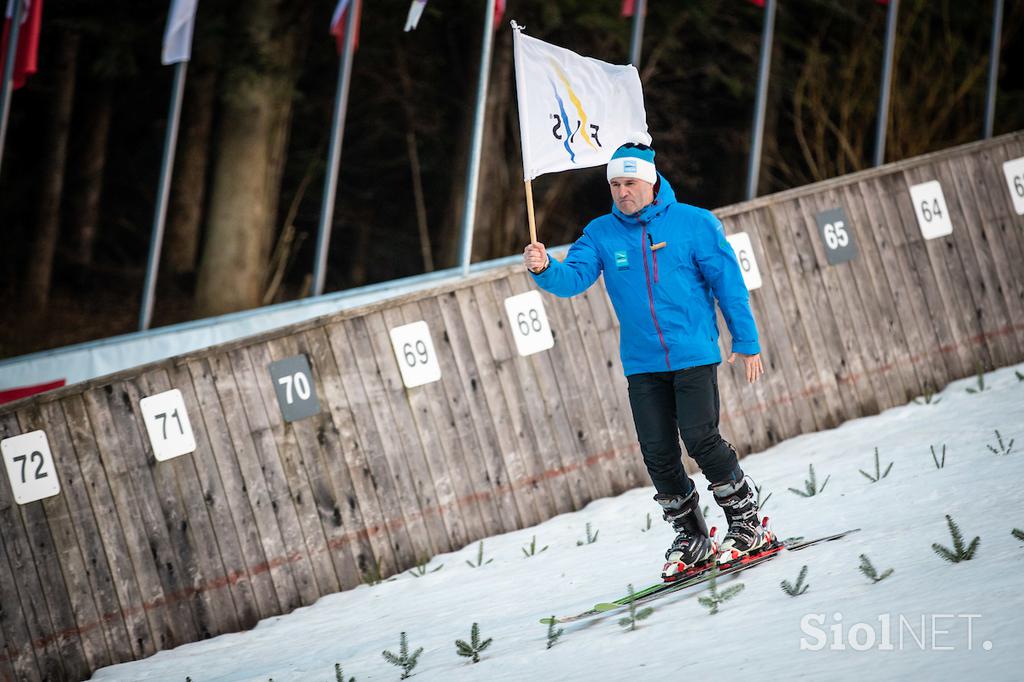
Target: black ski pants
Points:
(667, 405)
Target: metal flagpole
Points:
(163, 191)
(6, 85)
(636, 44)
(323, 237)
(883, 98)
(473, 174)
(993, 67)
(761, 104)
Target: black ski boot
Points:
(746, 532)
(693, 545)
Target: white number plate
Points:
(529, 323)
(415, 354)
(740, 243)
(930, 207)
(29, 465)
(1014, 171)
(170, 432)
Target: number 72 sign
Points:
(29, 465)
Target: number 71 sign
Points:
(170, 432)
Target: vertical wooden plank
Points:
(456, 426)
(26, 620)
(907, 239)
(133, 520)
(334, 431)
(953, 286)
(58, 557)
(124, 593)
(491, 451)
(412, 535)
(804, 305)
(294, 477)
(896, 326)
(509, 440)
(267, 470)
(176, 480)
(17, 658)
(781, 338)
(251, 482)
(311, 435)
(550, 463)
(253, 580)
(159, 526)
(428, 453)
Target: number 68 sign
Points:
(529, 323)
(30, 469)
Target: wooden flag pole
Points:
(529, 211)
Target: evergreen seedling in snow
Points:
(1020, 377)
(403, 660)
(714, 598)
(591, 539)
(811, 484)
(879, 475)
(339, 676)
(1018, 533)
(760, 503)
(533, 548)
(630, 621)
(479, 558)
(939, 463)
(981, 380)
(797, 589)
(928, 398)
(958, 553)
(869, 570)
(474, 647)
(648, 526)
(1004, 449)
(373, 577)
(553, 634)
(420, 569)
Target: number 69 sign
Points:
(30, 469)
(414, 351)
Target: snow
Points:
(944, 620)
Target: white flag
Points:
(574, 111)
(415, 12)
(178, 34)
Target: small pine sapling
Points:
(1020, 377)
(714, 598)
(591, 539)
(879, 474)
(420, 569)
(553, 634)
(868, 569)
(473, 648)
(1004, 448)
(647, 526)
(797, 589)
(939, 463)
(479, 557)
(339, 675)
(372, 576)
(981, 380)
(634, 617)
(959, 552)
(761, 503)
(1018, 533)
(403, 660)
(929, 397)
(533, 551)
(811, 484)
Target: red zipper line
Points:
(650, 292)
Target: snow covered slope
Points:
(930, 619)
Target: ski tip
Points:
(547, 621)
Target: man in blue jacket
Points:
(664, 264)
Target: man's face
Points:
(631, 194)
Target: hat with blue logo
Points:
(634, 159)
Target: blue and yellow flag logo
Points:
(564, 130)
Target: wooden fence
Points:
(267, 514)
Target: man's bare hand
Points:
(535, 257)
(754, 366)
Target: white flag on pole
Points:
(574, 111)
(178, 34)
(415, 12)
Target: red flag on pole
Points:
(28, 40)
(628, 7)
(341, 15)
(499, 12)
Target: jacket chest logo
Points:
(621, 260)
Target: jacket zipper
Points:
(650, 291)
(654, 256)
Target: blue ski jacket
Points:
(663, 267)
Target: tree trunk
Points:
(40, 268)
(88, 182)
(256, 106)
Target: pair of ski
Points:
(701, 576)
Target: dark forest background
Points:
(79, 175)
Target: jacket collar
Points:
(666, 196)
